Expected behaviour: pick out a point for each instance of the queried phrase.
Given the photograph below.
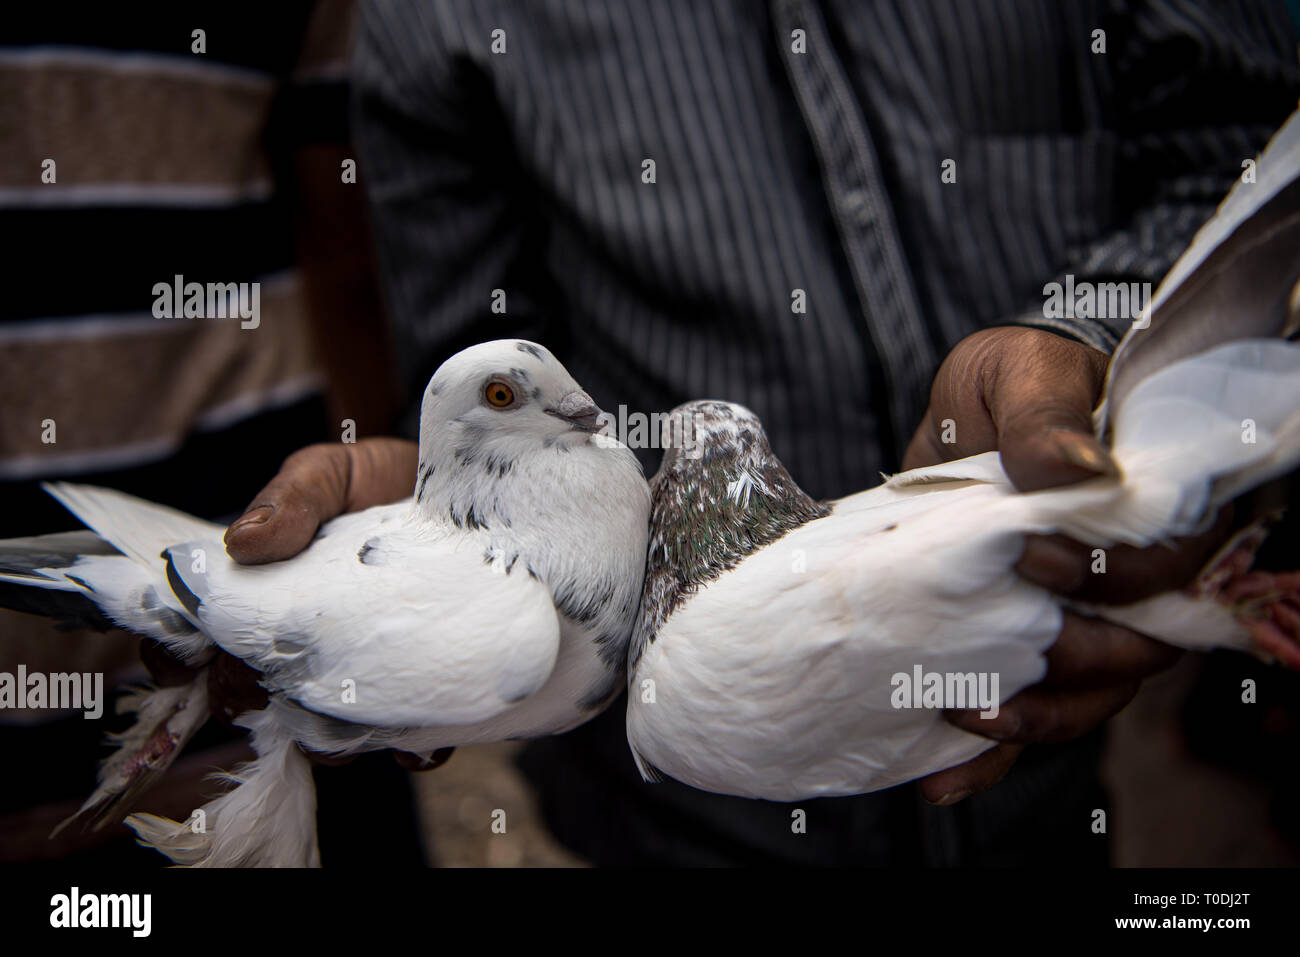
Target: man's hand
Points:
(314, 485)
(1030, 394)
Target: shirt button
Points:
(858, 206)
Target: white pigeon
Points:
(497, 603)
(774, 628)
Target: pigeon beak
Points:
(577, 408)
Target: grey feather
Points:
(1237, 280)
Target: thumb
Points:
(310, 488)
(314, 485)
(1043, 416)
(1050, 447)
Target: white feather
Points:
(268, 819)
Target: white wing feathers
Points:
(801, 706)
(137, 528)
(437, 636)
(1237, 280)
(131, 587)
(1188, 439)
(380, 622)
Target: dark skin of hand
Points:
(1030, 395)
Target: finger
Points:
(978, 774)
(164, 667)
(1122, 574)
(314, 485)
(415, 762)
(1044, 716)
(1041, 403)
(310, 488)
(957, 422)
(1039, 452)
(1025, 392)
(921, 450)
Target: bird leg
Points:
(1266, 604)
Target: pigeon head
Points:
(709, 437)
(720, 494)
(500, 421)
(506, 396)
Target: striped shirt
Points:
(136, 151)
(798, 147)
(656, 187)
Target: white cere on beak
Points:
(578, 408)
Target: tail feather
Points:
(1229, 417)
(21, 557)
(137, 528)
(1187, 440)
(1202, 405)
(32, 581)
(267, 820)
(1283, 458)
(111, 576)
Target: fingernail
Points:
(1084, 452)
(254, 516)
(952, 797)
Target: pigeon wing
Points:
(381, 623)
(799, 701)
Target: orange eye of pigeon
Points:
(499, 395)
